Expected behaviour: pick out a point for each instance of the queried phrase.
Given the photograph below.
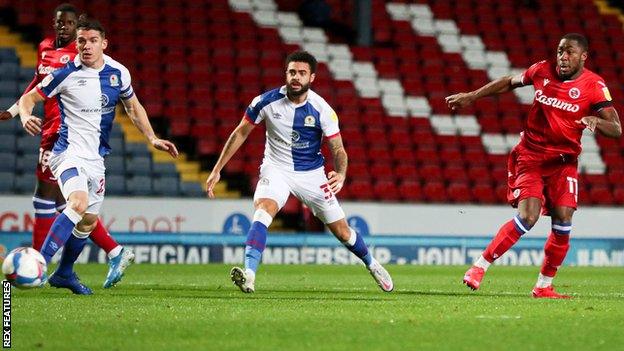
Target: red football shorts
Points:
(553, 178)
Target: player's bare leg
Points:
(528, 214)
(555, 251)
(355, 243)
(245, 279)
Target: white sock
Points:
(79, 234)
(352, 238)
(543, 281)
(481, 262)
(114, 252)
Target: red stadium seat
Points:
(434, 191)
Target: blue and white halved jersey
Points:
(294, 132)
(87, 98)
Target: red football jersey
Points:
(49, 59)
(550, 126)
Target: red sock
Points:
(555, 252)
(41, 227)
(506, 237)
(102, 238)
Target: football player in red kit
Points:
(55, 52)
(542, 168)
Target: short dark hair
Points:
(302, 56)
(65, 7)
(579, 38)
(87, 23)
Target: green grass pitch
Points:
(196, 307)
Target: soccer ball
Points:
(25, 268)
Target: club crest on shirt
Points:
(114, 80)
(309, 121)
(574, 93)
(294, 136)
(104, 100)
(546, 81)
(64, 59)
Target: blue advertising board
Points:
(322, 248)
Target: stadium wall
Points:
(177, 215)
(196, 231)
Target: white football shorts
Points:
(77, 174)
(310, 187)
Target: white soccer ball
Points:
(25, 268)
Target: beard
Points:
(568, 75)
(292, 92)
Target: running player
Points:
(296, 120)
(87, 91)
(543, 166)
(54, 53)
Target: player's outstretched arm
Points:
(138, 116)
(14, 110)
(608, 123)
(234, 142)
(336, 178)
(27, 102)
(498, 86)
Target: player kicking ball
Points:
(54, 53)
(543, 166)
(296, 119)
(87, 90)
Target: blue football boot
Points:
(117, 265)
(72, 283)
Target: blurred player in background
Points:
(87, 90)
(543, 166)
(296, 120)
(54, 53)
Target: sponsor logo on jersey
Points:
(114, 80)
(554, 102)
(309, 121)
(574, 93)
(276, 115)
(45, 69)
(64, 59)
(81, 82)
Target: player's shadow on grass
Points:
(460, 294)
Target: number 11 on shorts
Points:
(573, 187)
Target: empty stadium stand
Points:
(196, 65)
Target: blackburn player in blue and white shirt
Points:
(87, 91)
(296, 120)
